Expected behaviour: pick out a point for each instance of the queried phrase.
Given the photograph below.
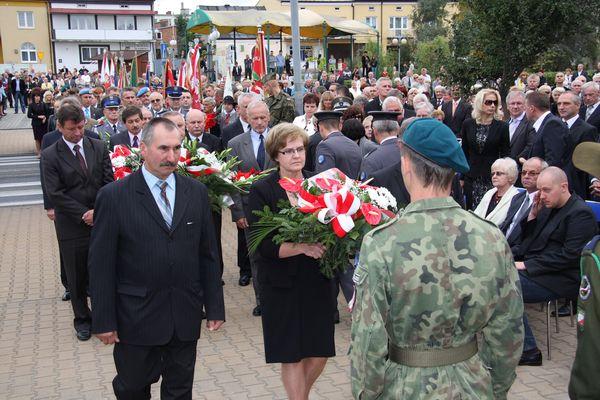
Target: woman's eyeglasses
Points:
(491, 102)
(289, 152)
(499, 173)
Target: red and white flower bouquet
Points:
(331, 209)
(125, 161)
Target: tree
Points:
(494, 40)
(433, 54)
(429, 20)
(183, 36)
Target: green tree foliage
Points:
(433, 54)
(494, 40)
(183, 36)
(428, 20)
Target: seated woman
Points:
(495, 203)
(297, 311)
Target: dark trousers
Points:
(218, 222)
(138, 367)
(533, 293)
(19, 99)
(74, 253)
(63, 274)
(248, 73)
(253, 268)
(9, 97)
(243, 259)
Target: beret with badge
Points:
(434, 141)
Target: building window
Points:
(371, 8)
(399, 8)
(25, 19)
(398, 25)
(28, 53)
(86, 53)
(125, 22)
(82, 22)
(337, 9)
(371, 21)
(305, 52)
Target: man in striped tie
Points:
(153, 268)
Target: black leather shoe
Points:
(83, 335)
(563, 311)
(222, 282)
(66, 296)
(244, 280)
(336, 317)
(531, 357)
(257, 312)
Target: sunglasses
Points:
(491, 102)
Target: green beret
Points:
(436, 142)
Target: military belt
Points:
(432, 357)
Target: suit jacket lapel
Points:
(520, 129)
(181, 201)
(545, 227)
(147, 200)
(67, 155)
(248, 151)
(90, 155)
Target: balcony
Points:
(84, 35)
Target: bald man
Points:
(558, 227)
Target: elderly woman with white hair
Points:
(495, 203)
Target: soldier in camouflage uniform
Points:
(281, 105)
(429, 282)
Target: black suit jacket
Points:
(149, 282)
(373, 105)
(594, 118)
(391, 179)
(515, 236)
(520, 143)
(71, 190)
(552, 245)
(497, 145)
(580, 132)
(462, 113)
(123, 139)
(22, 87)
(47, 140)
(231, 131)
(209, 142)
(551, 142)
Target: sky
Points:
(162, 6)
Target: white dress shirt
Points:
(571, 121)
(514, 124)
(539, 121)
(256, 140)
(71, 145)
(131, 136)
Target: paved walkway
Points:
(42, 359)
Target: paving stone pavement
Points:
(42, 359)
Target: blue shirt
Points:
(256, 140)
(151, 181)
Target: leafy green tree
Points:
(428, 20)
(183, 36)
(433, 54)
(494, 40)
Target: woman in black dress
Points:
(38, 112)
(485, 139)
(297, 312)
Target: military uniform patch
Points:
(585, 290)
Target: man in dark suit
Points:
(240, 125)
(579, 131)
(551, 137)
(132, 118)
(19, 92)
(557, 228)
(590, 110)
(153, 267)
(581, 72)
(47, 140)
(195, 122)
(384, 85)
(521, 203)
(236, 72)
(87, 100)
(249, 148)
(248, 67)
(456, 111)
(74, 168)
(519, 128)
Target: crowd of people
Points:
(147, 248)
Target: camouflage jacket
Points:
(281, 108)
(434, 277)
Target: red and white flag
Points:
(259, 62)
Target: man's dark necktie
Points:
(227, 119)
(80, 158)
(135, 142)
(260, 155)
(115, 129)
(166, 209)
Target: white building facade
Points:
(83, 30)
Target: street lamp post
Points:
(399, 42)
(212, 39)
